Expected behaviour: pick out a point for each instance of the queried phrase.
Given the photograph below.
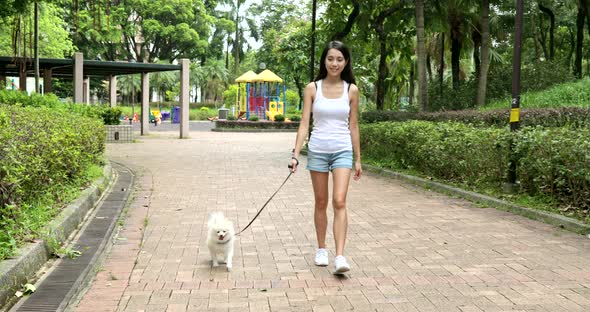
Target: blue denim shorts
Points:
(325, 162)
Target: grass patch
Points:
(575, 93)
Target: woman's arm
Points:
(353, 124)
(308, 97)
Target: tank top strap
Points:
(318, 89)
(346, 88)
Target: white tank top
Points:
(330, 133)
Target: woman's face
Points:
(335, 62)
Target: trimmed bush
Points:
(449, 151)
(46, 153)
(547, 117)
(110, 116)
(244, 124)
(279, 118)
(552, 162)
(556, 162)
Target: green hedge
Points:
(553, 162)
(109, 116)
(547, 117)
(556, 162)
(449, 151)
(245, 124)
(45, 152)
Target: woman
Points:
(334, 99)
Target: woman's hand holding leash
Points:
(293, 164)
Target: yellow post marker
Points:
(515, 115)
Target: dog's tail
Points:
(215, 217)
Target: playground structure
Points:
(260, 95)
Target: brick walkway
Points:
(410, 249)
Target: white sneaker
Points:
(341, 265)
(321, 257)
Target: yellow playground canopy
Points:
(248, 76)
(267, 76)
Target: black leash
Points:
(273, 195)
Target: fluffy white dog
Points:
(220, 239)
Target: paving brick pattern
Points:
(410, 249)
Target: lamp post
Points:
(515, 105)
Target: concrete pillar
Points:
(145, 103)
(47, 80)
(184, 100)
(86, 88)
(78, 77)
(113, 91)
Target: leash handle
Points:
(263, 206)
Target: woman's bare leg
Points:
(319, 181)
(340, 179)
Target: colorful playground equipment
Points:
(260, 95)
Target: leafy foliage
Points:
(556, 162)
(549, 117)
(46, 153)
(552, 162)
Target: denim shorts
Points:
(325, 162)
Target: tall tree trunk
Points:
(429, 67)
(441, 70)
(548, 11)
(299, 91)
(456, 35)
(570, 54)
(237, 40)
(579, 40)
(381, 75)
(422, 82)
(350, 22)
(411, 91)
(542, 38)
(476, 37)
(485, 54)
(37, 90)
(377, 24)
(455, 60)
(227, 54)
(535, 36)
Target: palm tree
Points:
(218, 77)
(460, 15)
(421, 51)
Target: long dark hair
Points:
(346, 73)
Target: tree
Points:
(551, 15)
(421, 52)
(151, 30)
(349, 23)
(54, 41)
(378, 25)
(579, 38)
(485, 53)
